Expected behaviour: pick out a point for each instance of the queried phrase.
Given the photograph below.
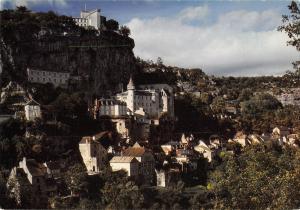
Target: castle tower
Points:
(130, 95)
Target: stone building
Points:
(29, 182)
(89, 18)
(32, 110)
(166, 177)
(128, 164)
(145, 160)
(57, 78)
(93, 154)
(154, 99)
(109, 107)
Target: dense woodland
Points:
(256, 177)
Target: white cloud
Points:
(29, 3)
(238, 43)
(193, 13)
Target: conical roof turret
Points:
(130, 85)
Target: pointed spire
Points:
(130, 85)
(136, 145)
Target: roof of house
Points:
(240, 135)
(135, 151)
(122, 159)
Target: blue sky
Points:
(221, 37)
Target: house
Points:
(170, 147)
(144, 157)
(187, 158)
(90, 19)
(241, 138)
(204, 149)
(32, 110)
(123, 126)
(93, 154)
(129, 164)
(255, 139)
(281, 131)
(166, 177)
(55, 77)
(109, 107)
(30, 179)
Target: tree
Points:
(112, 25)
(159, 61)
(252, 179)
(76, 179)
(125, 31)
(218, 105)
(291, 26)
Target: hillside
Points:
(52, 42)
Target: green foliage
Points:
(261, 177)
(112, 25)
(23, 25)
(218, 105)
(291, 26)
(12, 145)
(77, 179)
(125, 31)
(70, 106)
(260, 103)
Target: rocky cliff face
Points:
(103, 61)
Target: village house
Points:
(187, 159)
(205, 150)
(170, 147)
(93, 154)
(109, 107)
(142, 155)
(55, 77)
(241, 138)
(166, 176)
(281, 131)
(32, 110)
(128, 164)
(30, 179)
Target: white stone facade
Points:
(109, 107)
(154, 99)
(42, 76)
(93, 154)
(32, 110)
(89, 18)
(128, 164)
(34, 183)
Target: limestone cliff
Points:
(103, 60)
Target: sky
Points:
(236, 38)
